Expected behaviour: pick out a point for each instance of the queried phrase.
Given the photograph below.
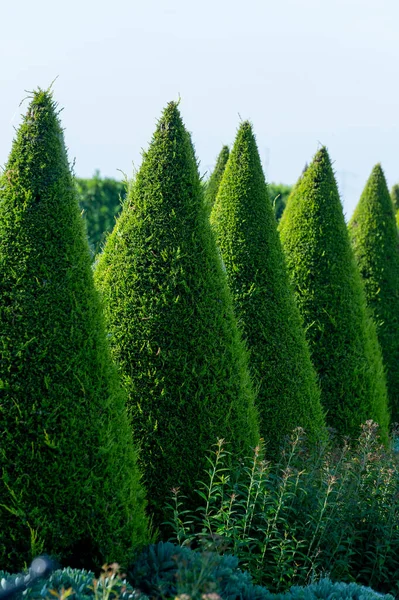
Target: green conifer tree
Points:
(375, 242)
(246, 232)
(212, 185)
(395, 197)
(395, 201)
(341, 335)
(171, 321)
(69, 481)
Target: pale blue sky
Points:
(303, 71)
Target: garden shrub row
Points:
(112, 391)
(341, 335)
(374, 237)
(245, 228)
(164, 571)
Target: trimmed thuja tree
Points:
(395, 201)
(171, 321)
(212, 185)
(342, 337)
(246, 232)
(374, 237)
(69, 483)
(395, 197)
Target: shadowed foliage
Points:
(374, 237)
(246, 233)
(69, 484)
(279, 193)
(341, 335)
(395, 201)
(212, 185)
(101, 200)
(171, 321)
(395, 197)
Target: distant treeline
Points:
(100, 200)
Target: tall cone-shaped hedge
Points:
(213, 183)
(246, 232)
(69, 481)
(395, 201)
(375, 242)
(341, 335)
(171, 321)
(395, 197)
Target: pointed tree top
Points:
(320, 166)
(322, 156)
(245, 131)
(42, 107)
(378, 175)
(375, 195)
(169, 150)
(170, 117)
(316, 187)
(378, 169)
(246, 126)
(38, 156)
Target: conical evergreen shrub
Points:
(212, 185)
(395, 201)
(374, 237)
(395, 197)
(246, 232)
(69, 482)
(171, 321)
(341, 335)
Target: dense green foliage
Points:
(69, 483)
(165, 571)
(331, 510)
(76, 584)
(325, 589)
(212, 185)
(374, 236)
(246, 233)
(395, 197)
(101, 201)
(171, 322)
(395, 201)
(341, 335)
(279, 193)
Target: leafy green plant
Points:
(325, 589)
(375, 242)
(246, 233)
(171, 323)
(76, 584)
(69, 482)
(334, 510)
(165, 570)
(341, 335)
